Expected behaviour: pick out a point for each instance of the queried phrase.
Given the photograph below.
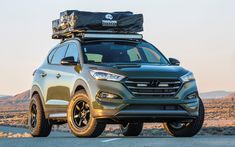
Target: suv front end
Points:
(152, 98)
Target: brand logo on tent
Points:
(109, 22)
(109, 16)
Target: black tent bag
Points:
(73, 20)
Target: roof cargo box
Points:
(74, 21)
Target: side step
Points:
(58, 115)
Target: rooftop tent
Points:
(72, 21)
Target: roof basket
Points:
(74, 23)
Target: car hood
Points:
(145, 71)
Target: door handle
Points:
(43, 74)
(58, 75)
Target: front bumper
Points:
(149, 113)
(130, 107)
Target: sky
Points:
(201, 34)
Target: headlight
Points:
(105, 75)
(188, 77)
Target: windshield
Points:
(121, 52)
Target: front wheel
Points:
(131, 129)
(179, 129)
(79, 117)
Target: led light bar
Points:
(115, 36)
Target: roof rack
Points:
(97, 35)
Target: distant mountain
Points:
(4, 96)
(17, 102)
(215, 94)
(231, 95)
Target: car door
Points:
(53, 95)
(61, 86)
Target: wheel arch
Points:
(81, 85)
(36, 90)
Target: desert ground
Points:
(219, 118)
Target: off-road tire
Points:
(131, 129)
(42, 127)
(93, 127)
(190, 129)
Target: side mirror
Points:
(174, 61)
(68, 61)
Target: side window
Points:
(51, 55)
(134, 55)
(94, 57)
(151, 55)
(72, 51)
(59, 55)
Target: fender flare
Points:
(36, 89)
(81, 82)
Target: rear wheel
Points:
(80, 119)
(131, 129)
(179, 129)
(39, 126)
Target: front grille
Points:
(153, 87)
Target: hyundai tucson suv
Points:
(89, 83)
(104, 72)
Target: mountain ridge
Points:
(215, 94)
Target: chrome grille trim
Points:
(136, 82)
(134, 87)
(154, 87)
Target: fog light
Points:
(107, 95)
(192, 96)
